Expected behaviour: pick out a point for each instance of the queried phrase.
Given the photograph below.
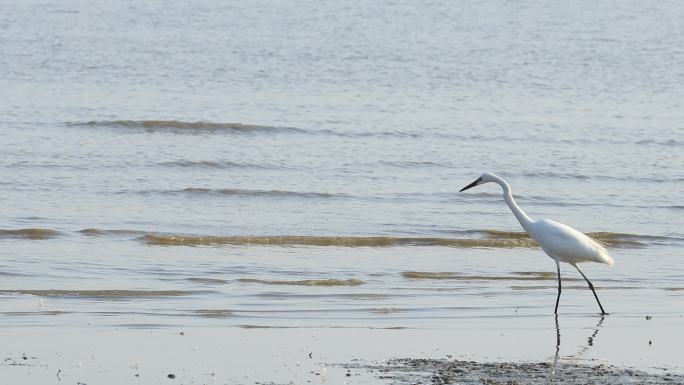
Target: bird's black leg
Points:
(559, 287)
(592, 288)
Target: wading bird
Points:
(562, 243)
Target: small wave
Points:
(577, 176)
(517, 276)
(102, 293)
(35, 313)
(213, 313)
(626, 240)
(551, 174)
(197, 191)
(573, 287)
(369, 134)
(608, 238)
(207, 240)
(415, 164)
(429, 275)
(211, 281)
(384, 310)
(189, 127)
(11, 274)
(667, 142)
(35, 234)
(177, 126)
(539, 275)
(101, 232)
(208, 164)
(318, 296)
(500, 234)
(490, 239)
(307, 282)
(262, 193)
(484, 238)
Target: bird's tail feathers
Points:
(607, 259)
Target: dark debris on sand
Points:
(438, 372)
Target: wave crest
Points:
(107, 293)
(258, 193)
(491, 239)
(288, 240)
(471, 238)
(184, 127)
(307, 282)
(223, 164)
(607, 238)
(34, 233)
(517, 276)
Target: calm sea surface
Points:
(297, 164)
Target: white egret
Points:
(562, 243)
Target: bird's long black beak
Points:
(471, 185)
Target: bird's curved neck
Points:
(520, 215)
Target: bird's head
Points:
(484, 178)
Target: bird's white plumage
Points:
(567, 244)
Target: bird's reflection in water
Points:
(582, 349)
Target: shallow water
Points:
(170, 164)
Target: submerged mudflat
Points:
(444, 371)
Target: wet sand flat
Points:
(521, 350)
